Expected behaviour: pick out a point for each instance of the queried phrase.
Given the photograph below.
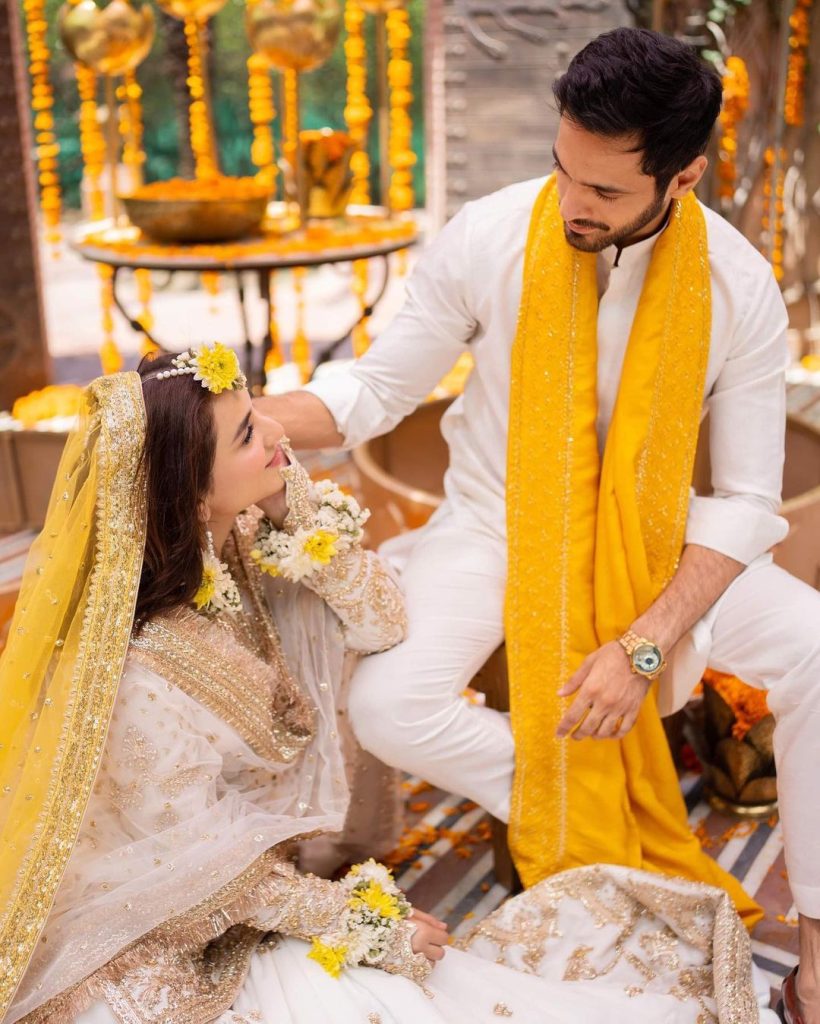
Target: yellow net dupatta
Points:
(591, 546)
(60, 671)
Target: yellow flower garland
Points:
(92, 143)
(262, 112)
(795, 97)
(110, 358)
(274, 357)
(300, 351)
(202, 143)
(129, 95)
(42, 103)
(358, 111)
(290, 118)
(776, 229)
(735, 105)
(400, 80)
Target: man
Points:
(606, 311)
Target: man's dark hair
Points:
(635, 82)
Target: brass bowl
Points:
(196, 220)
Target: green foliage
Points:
(323, 98)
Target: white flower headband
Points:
(215, 367)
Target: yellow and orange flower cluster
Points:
(56, 400)
(735, 105)
(748, 703)
(202, 144)
(799, 37)
(358, 111)
(400, 79)
(42, 103)
(262, 112)
(774, 182)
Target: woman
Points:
(170, 731)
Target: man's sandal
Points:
(788, 1008)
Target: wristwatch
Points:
(645, 657)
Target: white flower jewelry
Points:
(366, 931)
(215, 367)
(217, 592)
(336, 527)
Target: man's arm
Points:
(609, 693)
(307, 420)
(403, 366)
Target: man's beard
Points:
(621, 237)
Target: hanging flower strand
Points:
(202, 144)
(42, 104)
(357, 112)
(400, 79)
(92, 142)
(735, 105)
(262, 112)
(795, 96)
(774, 232)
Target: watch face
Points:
(647, 658)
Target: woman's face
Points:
(248, 456)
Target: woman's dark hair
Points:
(178, 458)
(635, 82)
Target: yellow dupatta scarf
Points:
(592, 546)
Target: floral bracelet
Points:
(366, 932)
(336, 527)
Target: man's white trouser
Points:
(406, 705)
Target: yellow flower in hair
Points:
(207, 588)
(321, 546)
(217, 367)
(376, 899)
(332, 958)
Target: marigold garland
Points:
(300, 351)
(92, 142)
(110, 358)
(274, 357)
(42, 104)
(735, 105)
(129, 95)
(290, 119)
(358, 111)
(360, 336)
(400, 79)
(202, 143)
(262, 112)
(146, 317)
(795, 95)
(774, 232)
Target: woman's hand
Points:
(275, 508)
(430, 936)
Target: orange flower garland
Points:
(42, 103)
(92, 142)
(400, 79)
(735, 105)
(110, 358)
(300, 351)
(360, 336)
(129, 95)
(290, 120)
(262, 113)
(774, 231)
(202, 143)
(358, 111)
(274, 357)
(800, 25)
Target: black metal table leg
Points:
(134, 324)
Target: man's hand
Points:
(609, 696)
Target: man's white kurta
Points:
(464, 295)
